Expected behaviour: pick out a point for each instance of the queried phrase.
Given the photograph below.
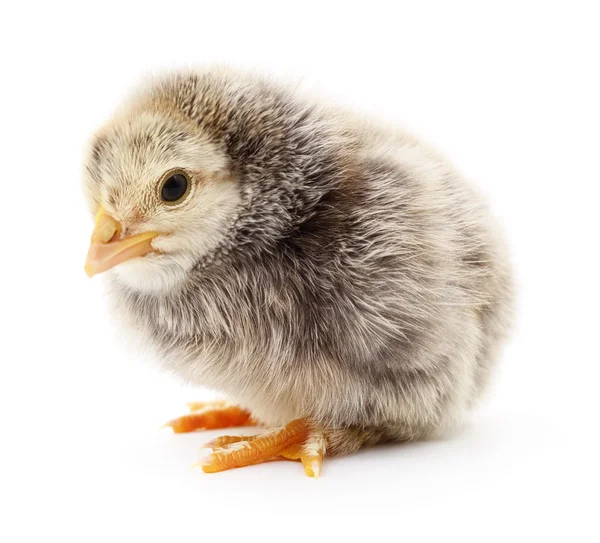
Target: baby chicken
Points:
(336, 278)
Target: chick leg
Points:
(296, 441)
(210, 416)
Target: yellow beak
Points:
(107, 249)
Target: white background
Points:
(509, 93)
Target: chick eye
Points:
(175, 188)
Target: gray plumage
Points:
(326, 267)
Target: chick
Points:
(334, 277)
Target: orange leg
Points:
(210, 416)
(295, 441)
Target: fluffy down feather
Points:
(345, 272)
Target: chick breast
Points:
(362, 284)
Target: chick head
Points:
(163, 197)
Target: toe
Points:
(254, 449)
(210, 418)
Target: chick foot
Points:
(211, 416)
(295, 441)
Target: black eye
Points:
(174, 188)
